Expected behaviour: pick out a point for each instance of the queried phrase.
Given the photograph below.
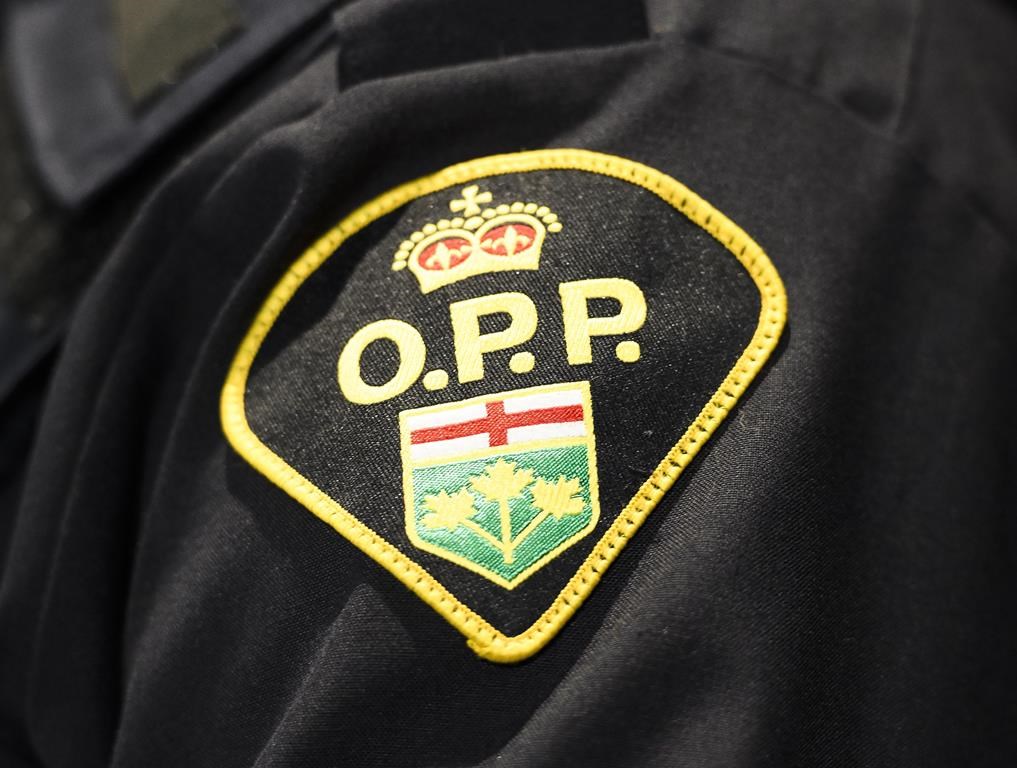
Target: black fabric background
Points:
(831, 583)
(702, 309)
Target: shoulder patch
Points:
(486, 379)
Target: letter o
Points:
(412, 355)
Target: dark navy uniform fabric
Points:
(831, 583)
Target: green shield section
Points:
(543, 496)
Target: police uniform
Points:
(521, 384)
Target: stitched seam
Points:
(906, 90)
(485, 639)
(965, 195)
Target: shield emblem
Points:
(446, 342)
(504, 483)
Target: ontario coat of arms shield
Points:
(501, 484)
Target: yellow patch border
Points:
(591, 454)
(487, 641)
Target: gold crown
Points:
(481, 240)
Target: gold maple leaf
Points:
(559, 498)
(448, 511)
(501, 481)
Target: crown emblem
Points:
(479, 240)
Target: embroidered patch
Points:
(526, 350)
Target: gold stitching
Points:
(485, 640)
